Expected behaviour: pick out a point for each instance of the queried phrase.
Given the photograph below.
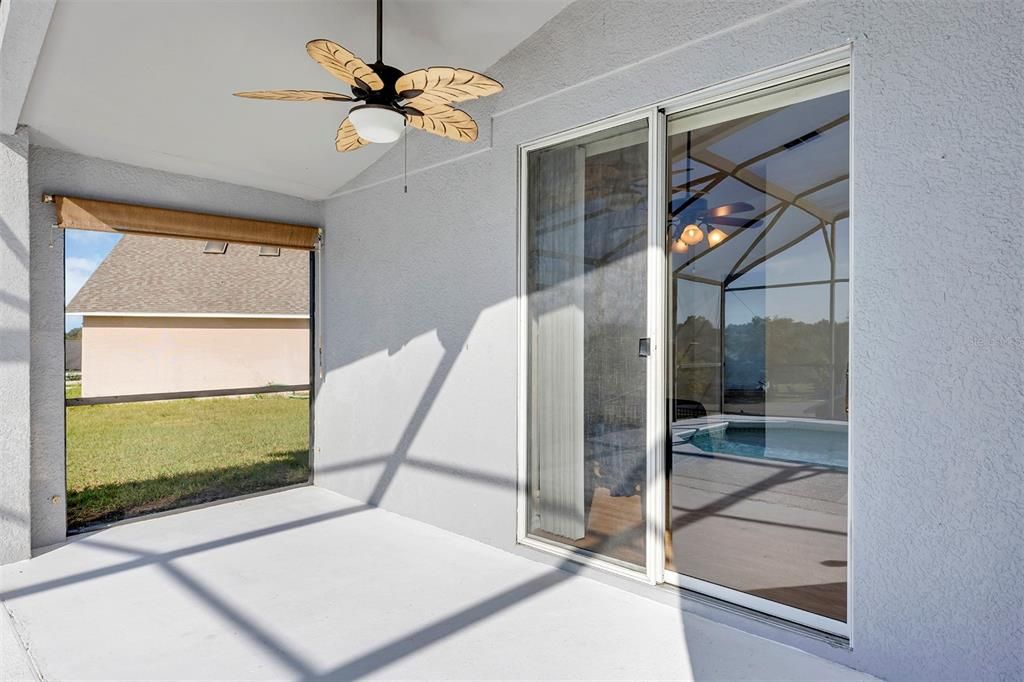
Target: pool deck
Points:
(772, 528)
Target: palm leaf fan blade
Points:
(444, 121)
(342, 64)
(445, 85)
(295, 95)
(348, 138)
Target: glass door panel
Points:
(586, 234)
(758, 202)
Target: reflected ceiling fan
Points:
(699, 219)
(389, 98)
(694, 214)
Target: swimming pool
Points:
(808, 442)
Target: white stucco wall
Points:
(23, 25)
(56, 172)
(14, 348)
(418, 410)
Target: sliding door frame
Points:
(825, 63)
(655, 249)
(660, 337)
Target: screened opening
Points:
(188, 377)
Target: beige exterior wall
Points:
(126, 355)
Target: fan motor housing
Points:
(386, 95)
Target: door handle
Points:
(644, 349)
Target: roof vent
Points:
(270, 250)
(215, 247)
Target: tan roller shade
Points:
(111, 216)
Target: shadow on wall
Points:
(394, 460)
(12, 339)
(13, 244)
(393, 311)
(10, 516)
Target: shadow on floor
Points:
(118, 501)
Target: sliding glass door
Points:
(757, 195)
(586, 286)
(685, 326)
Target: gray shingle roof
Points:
(159, 275)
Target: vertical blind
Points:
(556, 204)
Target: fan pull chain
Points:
(405, 157)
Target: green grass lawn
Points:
(130, 459)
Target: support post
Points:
(15, 431)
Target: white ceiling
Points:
(150, 83)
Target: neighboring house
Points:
(163, 315)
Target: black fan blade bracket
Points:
(729, 209)
(733, 222)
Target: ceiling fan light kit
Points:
(716, 236)
(377, 123)
(390, 99)
(692, 235)
(679, 246)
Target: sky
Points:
(84, 250)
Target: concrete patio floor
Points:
(306, 584)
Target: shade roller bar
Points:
(112, 216)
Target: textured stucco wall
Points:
(125, 355)
(14, 348)
(23, 25)
(56, 172)
(418, 409)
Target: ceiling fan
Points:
(390, 99)
(699, 219)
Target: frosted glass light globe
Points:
(692, 234)
(715, 236)
(377, 123)
(679, 246)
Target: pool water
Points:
(794, 444)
